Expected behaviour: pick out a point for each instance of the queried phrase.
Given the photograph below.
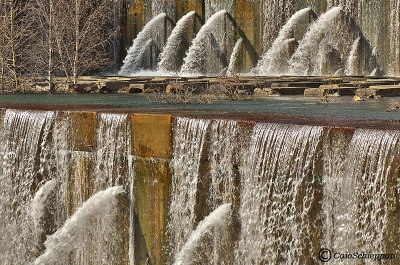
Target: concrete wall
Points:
(261, 20)
(152, 151)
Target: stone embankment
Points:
(363, 87)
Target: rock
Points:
(149, 90)
(124, 90)
(358, 98)
(266, 91)
(84, 88)
(115, 85)
(169, 89)
(136, 88)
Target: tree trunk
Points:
(77, 41)
(50, 43)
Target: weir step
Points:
(381, 90)
(323, 91)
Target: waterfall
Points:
(194, 63)
(175, 45)
(215, 221)
(224, 136)
(113, 144)
(303, 60)
(24, 136)
(234, 57)
(113, 166)
(328, 59)
(277, 195)
(189, 137)
(274, 15)
(132, 62)
(40, 203)
(362, 216)
(236, 192)
(275, 59)
(394, 36)
(352, 67)
(78, 229)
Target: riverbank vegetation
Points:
(56, 38)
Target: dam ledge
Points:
(243, 117)
(314, 86)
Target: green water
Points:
(299, 105)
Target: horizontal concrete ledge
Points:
(284, 85)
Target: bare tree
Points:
(56, 37)
(85, 43)
(15, 36)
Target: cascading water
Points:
(189, 137)
(352, 65)
(78, 230)
(134, 58)
(234, 57)
(275, 59)
(224, 136)
(113, 163)
(303, 60)
(350, 7)
(216, 221)
(328, 59)
(24, 136)
(113, 159)
(260, 24)
(275, 13)
(44, 179)
(41, 204)
(395, 36)
(204, 42)
(362, 217)
(170, 59)
(277, 195)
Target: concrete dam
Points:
(84, 187)
(261, 37)
(282, 179)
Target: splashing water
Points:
(189, 137)
(277, 195)
(114, 162)
(352, 67)
(217, 220)
(132, 62)
(175, 44)
(73, 235)
(24, 136)
(194, 63)
(275, 14)
(39, 202)
(234, 57)
(327, 60)
(275, 59)
(303, 60)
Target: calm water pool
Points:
(299, 105)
